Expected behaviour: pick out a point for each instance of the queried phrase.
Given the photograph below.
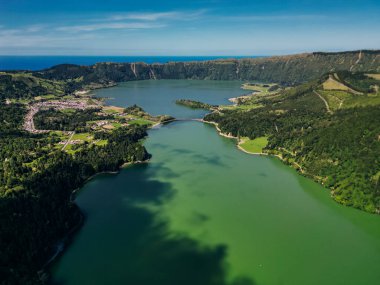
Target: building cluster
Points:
(58, 105)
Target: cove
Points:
(202, 212)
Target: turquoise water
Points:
(158, 97)
(202, 212)
(38, 62)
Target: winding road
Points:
(324, 101)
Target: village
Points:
(34, 108)
(68, 139)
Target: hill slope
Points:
(335, 142)
(287, 70)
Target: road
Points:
(324, 101)
(68, 140)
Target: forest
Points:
(36, 185)
(341, 150)
(194, 104)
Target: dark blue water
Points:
(11, 62)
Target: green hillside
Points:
(287, 70)
(22, 85)
(337, 144)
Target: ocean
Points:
(11, 62)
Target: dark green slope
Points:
(339, 147)
(36, 185)
(288, 70)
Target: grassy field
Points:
(259, 88)
(374, 76)
(68, 97)
(254, 146)
(342, 99)
(335, 98)
(100, 142)
(117, 125)
(21, 101)
(112, 110)
(141, 122)
(83, 136)
(73, 148)
(241, 107)
(332, 84)
(46, 97)
(68, 111)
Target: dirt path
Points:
(324, 101)
(68, 141)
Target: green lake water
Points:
(202, 212)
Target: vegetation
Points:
(252, 101)
(342, 99)
(285, 70)
(333, 84)
(358, 81)
(194, 104)
(38, 173)
(67, 120)
(36, 183)
(25, 86)
(374, 76)
(339, 149)
(143, 117)
(261, 88)
(135, 110)
(253, 146)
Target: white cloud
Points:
(263, 18)
(110, 26)
(170, 15)
(134, 21)
(145, 16)
(28, 29)
(34, 28)
(126, 21)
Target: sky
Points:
(186, 27)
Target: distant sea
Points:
(10, 62)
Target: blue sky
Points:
(187, 27)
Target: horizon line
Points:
(223, 55)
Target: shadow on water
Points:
(197, 157)
(132, 246)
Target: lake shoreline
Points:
(293, 165)
(62, 244)
(251, 185)
(230, 136)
